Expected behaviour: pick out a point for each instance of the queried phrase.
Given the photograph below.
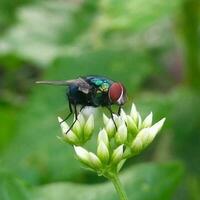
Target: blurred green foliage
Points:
(139, 183)
(151, 46)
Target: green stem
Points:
(118, 186)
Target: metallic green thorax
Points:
(100, 87)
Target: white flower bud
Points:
(105, 119)
(120, 164)
(123, 115)
(139, 123)
(103, 152)
(117, 154)
(137, 145)
(118, 120)
(82, 154)
(69, 136)
(121, 135)
(77, 129)
(147, 121)
(132, 127)
(94, 161)
(115, 117)
(110, 128)
(89, 127)
(64, 126)
(156, 127)
(146, 136)
(81, 119)
(134, 113)
(103, 137)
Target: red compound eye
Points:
(115, 92)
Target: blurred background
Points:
(152, 46)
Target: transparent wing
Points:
(83, 86)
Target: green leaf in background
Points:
(142, 182)
(7, 13)
(47, 30)
(121, 19)
(39, 30)
(12, 188)
(8, 124)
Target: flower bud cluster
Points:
(114, 146)
(80, 133)
(106, 157)
(146, 132)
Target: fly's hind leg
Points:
(76, 118)
(70, 111)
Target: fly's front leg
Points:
(82, 107)
(119, 110)
(111, 113)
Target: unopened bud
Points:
(147, 121)
(121, 135)
(105, 119)
(123, 115)
(132, 127)
(103, 152)
(68, 135)
(120, 164)
(146, 136)
(103, 137)
(94, 161)
(156, 127)
(117, 154)
(139, 123)
(71, 138)
(110, 128)
(77, 129)
(82, 154)
(134, 113)
(118, 120)
(89, 127)
(81, 119)
(137, 145)
(64, 126)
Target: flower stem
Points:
(118, 186)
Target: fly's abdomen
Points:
(76, 96)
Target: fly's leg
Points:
(70, 111)
(76, 118)
(82, 107)
(111, 113)
(119, 110)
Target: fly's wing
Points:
(83, 86)
(60, 83)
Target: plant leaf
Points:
(142, 182)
